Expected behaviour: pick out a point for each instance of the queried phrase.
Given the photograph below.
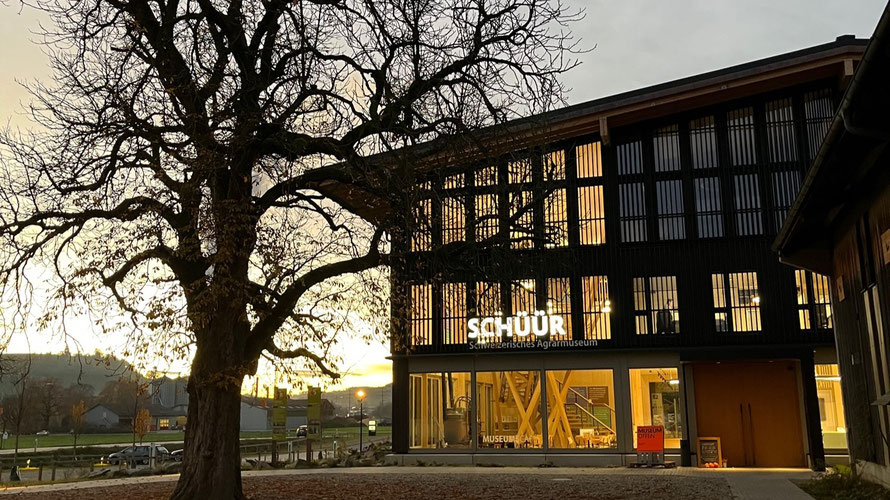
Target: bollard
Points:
(54, 469)
(40, 473)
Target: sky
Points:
(633, 44)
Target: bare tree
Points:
(192, 180)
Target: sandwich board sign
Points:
(650, 445)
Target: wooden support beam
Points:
(604, 131)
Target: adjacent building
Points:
(572, 276)
(840, 227)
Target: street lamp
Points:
(360, 395)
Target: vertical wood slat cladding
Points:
(688, 196)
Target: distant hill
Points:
(87, 369)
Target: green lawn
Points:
(26, 442)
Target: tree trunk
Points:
(211, 463)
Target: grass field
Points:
(26, 442)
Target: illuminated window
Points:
(589, 160)
(453, 219)
(666, 146)
(655, 400)
(554, 164)
(831, 407)
(556, 219)
(813, 301)
(486, 176)
(486, 220)
(455, 181)
(656, 305)
(420, 312)
(519, 171)
(708, 207)
(522, 296)
(747, 205)
(509, 409)
(421, 235)
(581, 409)
(487, 300)
(743, 297)
(592, 225)
(559, 303)
(454, 313)
(703, 142)
(440, 410)
(597, 307)
(521, 220)
(632, 211)
(818, 112)
(163, 423)
(740, 128)
(671, 221)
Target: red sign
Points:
(650, 439)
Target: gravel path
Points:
(377, 486)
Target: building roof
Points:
(599, 115)
(846, 170)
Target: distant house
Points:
(169, 403)
(108, 416)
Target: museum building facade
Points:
(608, 266)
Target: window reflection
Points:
(521, 220)
(703, 142)
(556, 219)
(666, 146)
(581, 409)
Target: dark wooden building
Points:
(572, 276)
(840, 227)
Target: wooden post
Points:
(40, 473)
(54, 468)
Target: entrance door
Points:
(754, 408)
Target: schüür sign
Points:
(521, 325)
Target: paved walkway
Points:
(746, 484)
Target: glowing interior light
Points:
(756, 299)
(607, 306)
(674, 381)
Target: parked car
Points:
(43, 433)
(176, 455)
(302, 431)
(138, 455)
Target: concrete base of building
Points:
(873, 472)
(834, 459)
(518, 459)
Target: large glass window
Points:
(655, 400)
(632, 211)
(509, 409)
(554, 164)
(592, 226)
(454, 218)
(743, 297)
(521, 220)
(597, 307)
(630, 158)
(656, 305)
(785, 188)
(519, 171)
(589, 160)
(421, 234)
(740, 128)
(780, 134)
(831, 407)
(669, 198)
(420, 311)
(581, 409)
(708, 207)
(556, 219)
(559, 302)
(703, 142)
(747, 205)
(819, 112)
(486, 216)
(813, 301)
(454, 313)
(666, 146)
(440, 410)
